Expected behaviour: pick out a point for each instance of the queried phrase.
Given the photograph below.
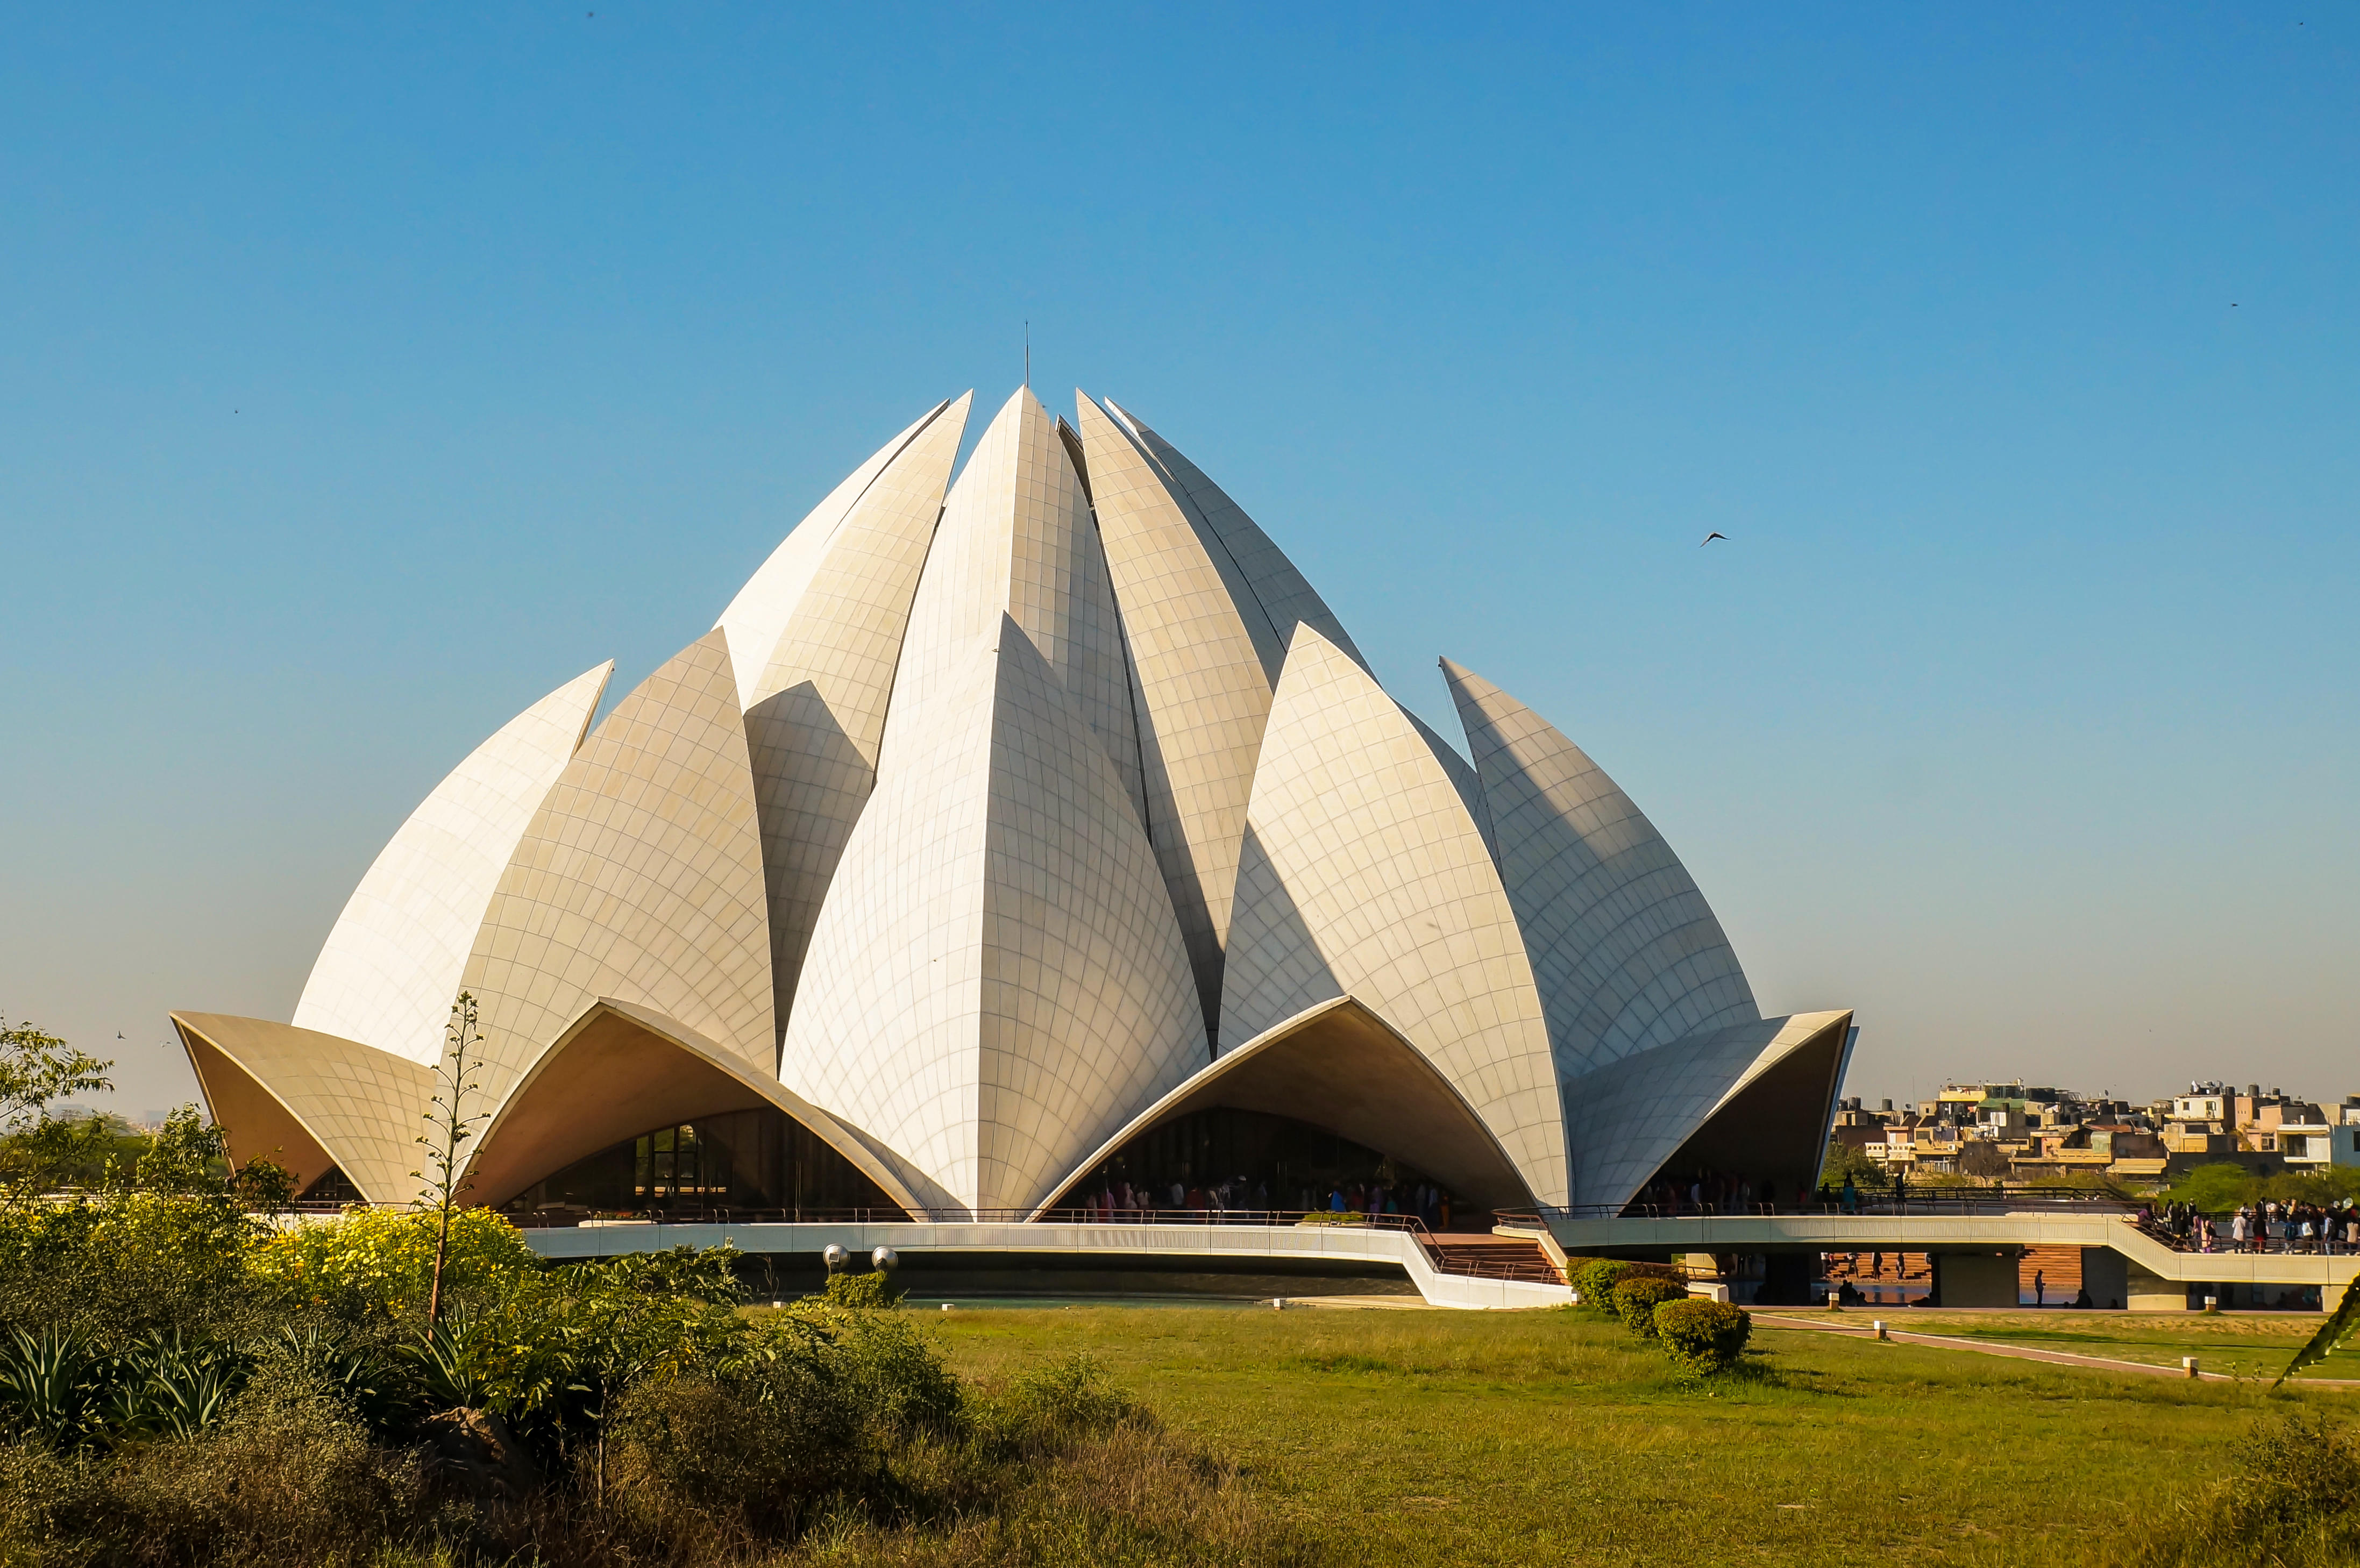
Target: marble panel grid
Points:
(1284, 594)
(758, 613)
(365, 1106)
(1625, 1119)
(1017, 539)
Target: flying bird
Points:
(1710, 538)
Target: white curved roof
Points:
(1364, 875)
(1625, 1119)
(1623, 943)
(993, 809)
(640, 880)
(391, 963)
(997, 981)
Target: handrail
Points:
(568, 1219)
(1929, 1202)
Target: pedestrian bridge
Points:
(1520, 1264)
(1448, 1271)
(2150, 1274)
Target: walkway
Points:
(1948, 1230)
(2022, 1352)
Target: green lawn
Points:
(1421, 1438)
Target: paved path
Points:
(2027, 1353)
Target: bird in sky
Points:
(1710, 538)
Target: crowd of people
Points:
(1117, 1200)
(1706, 1193)
(2270, 1226)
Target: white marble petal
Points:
(1203, 693)
(758, 613)
(1625, 1119)
(639, 880)
(1016, 538)
(818, 716)
(1626, 951)
(997, 981)
(391, 963)
(1364, 874)
(1284, 595)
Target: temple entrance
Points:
(1223, 1158)
(759, 1163)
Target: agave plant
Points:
(169, 1385)
(447, 1357)
(379, 1389)
(54, 1385)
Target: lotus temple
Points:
(1022, 845)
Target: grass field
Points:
(1544, 1437)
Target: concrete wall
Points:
(1975, 1279)
(2105, 1275)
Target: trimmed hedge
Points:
(1637, 1298)
(1702, 1335)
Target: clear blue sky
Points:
(365, 373)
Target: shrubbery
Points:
(1637, 1297)
(1701, 1336)
(2292, 1502)
(1593, 1280)
(180, 1385)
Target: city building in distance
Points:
(2010, 1129)
(1013, 839)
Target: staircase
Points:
(1491, 1257)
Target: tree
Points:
(189, 1156)
(264, 1186)
(37, 1068)
(449, 1125)
(1845, 1162)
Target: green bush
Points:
(743, 1455)
(895, 1375)
(120, 1266)
(1594, 1279)
(1702, 1335)
(1637, 1298)
(2292, 1502)
(1055, 1403)
(862, 1291)
(382, 1260)
(289, 1475)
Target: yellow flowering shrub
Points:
(387, 1256)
